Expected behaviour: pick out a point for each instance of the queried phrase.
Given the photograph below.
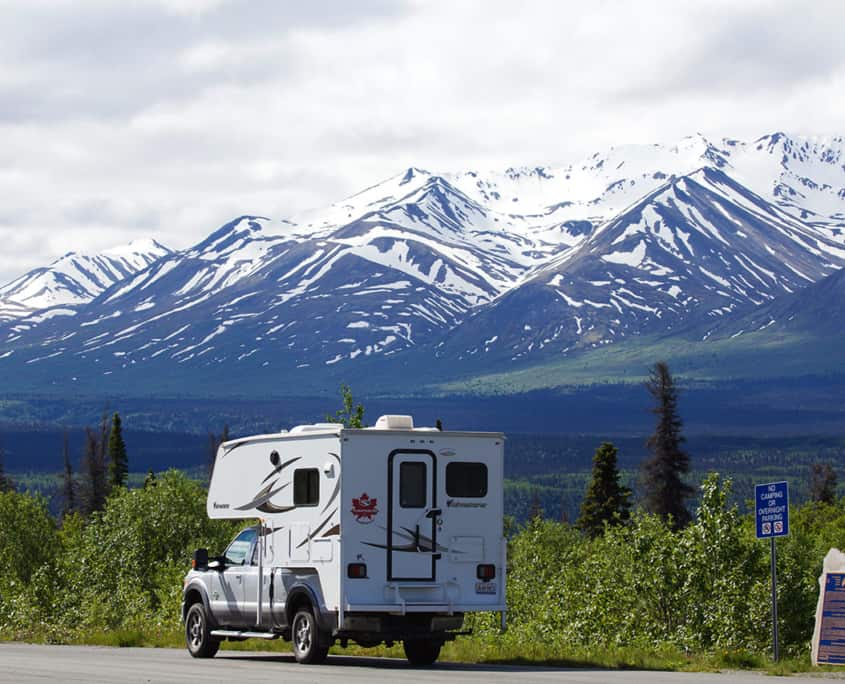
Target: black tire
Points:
(310, 643)
(421, 652)
(198, 634)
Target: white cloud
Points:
(166, 119)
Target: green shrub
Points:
(29, 547)
(630, 594)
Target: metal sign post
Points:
(776, 648)
(771, 512)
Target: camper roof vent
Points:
(317, 427)
(395, 423)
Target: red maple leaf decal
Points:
(364, 508)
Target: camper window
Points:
(306, 487)
(466, 480)
(412, 484)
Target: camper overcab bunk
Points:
(374, 535)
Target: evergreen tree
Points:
(94, 485)
(662, 473)
(214, 442)
(351, 415)
(606, 500)
(536, 510)
(118, 460)
(6, 484)
(822, 483)
(68, 486)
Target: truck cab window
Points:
(466, 480)
(240, 548)
(412, 484)
(306, 487)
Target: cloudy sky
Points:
(165, 119)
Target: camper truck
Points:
(375, 535)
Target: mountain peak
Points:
(412, 173)
(241, 229)
(139, 246)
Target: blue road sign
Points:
(771, 509)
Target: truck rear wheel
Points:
(421, 652)
(310, 644)
(198, 634)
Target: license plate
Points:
(485, 587)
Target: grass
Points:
(752, 356)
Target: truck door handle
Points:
(434, 512)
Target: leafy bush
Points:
(121, 569)
(28, 547)
(635, 589)
(702, 589)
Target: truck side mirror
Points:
(200, 560)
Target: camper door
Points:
(412, 515)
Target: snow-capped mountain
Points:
(75, 279)
(699, 247)
(818, 309)
(490, 268)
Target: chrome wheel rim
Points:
(195, 631)
(302, 634)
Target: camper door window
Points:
(239, 549)
(466, 480)
(412, 484)
(306, 487)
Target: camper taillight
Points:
(485, 572)
(356, 570)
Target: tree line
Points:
(104, 466)
(664, 490)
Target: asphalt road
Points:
(30, 663)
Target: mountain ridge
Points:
(464, 271)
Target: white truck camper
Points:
(373, 535)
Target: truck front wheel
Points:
(421, 652)
(310, 645)
(198, 635)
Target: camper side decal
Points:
(418, 543)
(261, 501)
(364, 509)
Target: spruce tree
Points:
(6, 484)
(118, 460)
(214, 443)
(536, 510)
(822, 483)
(662, 473)
(68, 486)
(94, 485)
(606, 500)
